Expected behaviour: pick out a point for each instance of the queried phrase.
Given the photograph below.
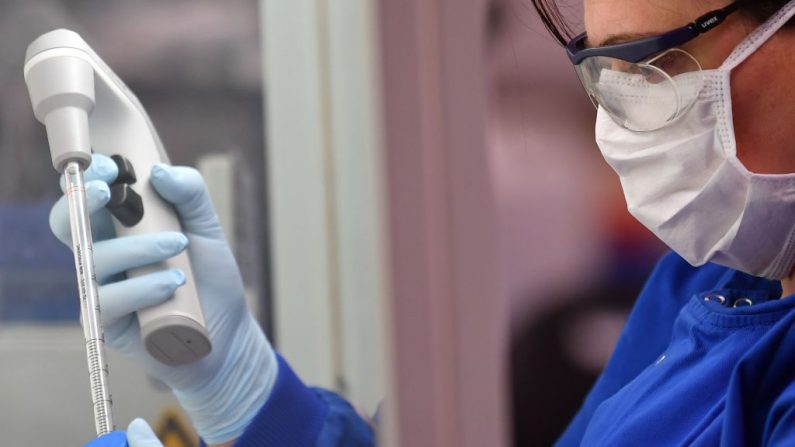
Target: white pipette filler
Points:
(84, 105)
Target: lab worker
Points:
(695, 108)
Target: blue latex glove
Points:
(138, 435)
(224, 391)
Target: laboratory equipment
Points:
(90, 317)
(85, 106)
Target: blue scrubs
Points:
(687, 370)
(298, 416)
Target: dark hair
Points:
(555, 22)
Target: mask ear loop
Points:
(759, 36)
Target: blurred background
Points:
(196, 67)
(570, 258)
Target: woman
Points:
(695, 121)
(694, 106)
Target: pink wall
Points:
(556, 197)
(498, 199)
(449, 323)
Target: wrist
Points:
(222, 407)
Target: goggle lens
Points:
(643, 96)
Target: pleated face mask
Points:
(685, 183)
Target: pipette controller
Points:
(85, 106)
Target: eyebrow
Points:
(613, 39)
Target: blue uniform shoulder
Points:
(647, 331)
(673, 277)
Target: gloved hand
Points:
(138, 435)
(222, 392)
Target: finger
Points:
(97, 195)
(139, 434)
(185, 188)
(102, 225)
(131, 295)
(118, 255)
(102, 168)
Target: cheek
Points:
(762, 114)
(744, 126)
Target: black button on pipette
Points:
(126, 171)
(126, 205)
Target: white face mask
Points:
(685, 183)
(632, 94)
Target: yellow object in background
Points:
(173, 430)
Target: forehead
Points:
(607, 18)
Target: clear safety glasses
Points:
(648, 83)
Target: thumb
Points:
(140, 435)
(185, 188)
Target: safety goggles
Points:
(648, 83)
